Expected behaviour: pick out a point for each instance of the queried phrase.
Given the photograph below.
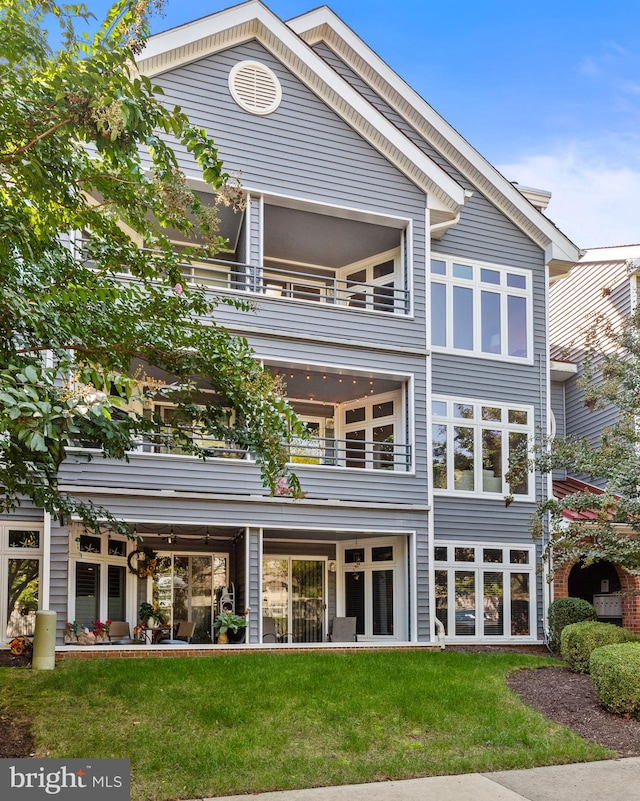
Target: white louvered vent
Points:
(255, 87)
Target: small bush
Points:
(615, 672)
(578, 640)
(564, 611)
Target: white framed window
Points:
(101, 585)
(481, 309)
(485, 590)
(473, 442)
(20, 577)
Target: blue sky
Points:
(549, 92)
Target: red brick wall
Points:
(628, 584)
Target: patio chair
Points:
(343, 629)
(119, 633)
(269, 633)
(184, 634)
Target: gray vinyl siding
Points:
(557, 401)
(59, 585)
(306, 151)
(25, 513)
(482, 234)
(303, 149)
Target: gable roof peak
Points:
(322, 24)
(253, 20)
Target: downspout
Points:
(46, 563)
(442, 226)
(440, 632)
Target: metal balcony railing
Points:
(318, 287)
(285, 283)
(328, 451)
(355, 453)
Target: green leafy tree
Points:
(610, 378)
(84, 147)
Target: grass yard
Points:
(197, 727)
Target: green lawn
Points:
(197, 727)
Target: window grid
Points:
(481, 309)
(495, 578)
(472, 442)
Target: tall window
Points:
(101, 578)
(473, 443)
(485, 590)
(481, 309)
(20, 568)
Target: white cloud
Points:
(595, 198)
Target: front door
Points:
(373, 581)
(293, 594)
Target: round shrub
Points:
(615, 672)
(564, 611)
(578, 640)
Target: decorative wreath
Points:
(143, 562)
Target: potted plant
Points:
(151, 613)
(101, 630)
(229, 622)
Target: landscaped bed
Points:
(199, 727)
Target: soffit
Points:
(323, 25)
(252, 20)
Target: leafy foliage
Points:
(565, 611)
(610, 377)
(578, 640)
(84, 148)
(615, 672)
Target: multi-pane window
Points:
(485, 590)
(101, 578)
(20, 568)
(473, 444)
(372, 434)
(481, 309)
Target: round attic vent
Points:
(255, 87)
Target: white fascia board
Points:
(559, 249)
(450, 196)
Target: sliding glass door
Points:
(293, 594)
(185, 587)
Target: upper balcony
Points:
(354, 420)
(359, 443)
(296, 254)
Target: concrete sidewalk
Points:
(609, 780)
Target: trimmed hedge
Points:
(578, 640)
(615, 672)
(564, 611)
